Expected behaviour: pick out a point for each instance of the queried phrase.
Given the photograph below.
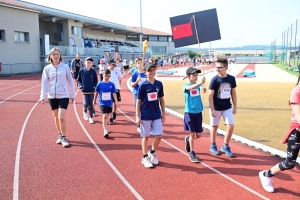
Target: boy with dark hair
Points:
(106, 90)
(87, 82)
(193, 110)
(221, 88)
(150, 114)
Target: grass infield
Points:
(263, 113)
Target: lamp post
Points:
(141, 24)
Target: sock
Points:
(145, 156)
(192, 152)
(151, 151)
(225, 145)
(268, 174)
(213, 143)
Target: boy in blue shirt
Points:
(193, 110)
(106, 91)
(221, 88)
(87, 82)
(150, 113)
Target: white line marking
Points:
(18, 93)
(13, 86)
(132, 190)
(17, 161)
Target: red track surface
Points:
(249, 66)
(48, 171)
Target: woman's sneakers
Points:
(62, 140)
(266, 182)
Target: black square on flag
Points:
(183, 28)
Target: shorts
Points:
(193, 122)
(126, 67)
(134, 99)
(105, 109)
(58, 103)
(151, 125)
(226, 114)
(118, 96)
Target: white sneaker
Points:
(85, 116)
(108, 131)
(65, 142)
(91, 121)
(146, 162)
(58, 141)
(138, 129)
(266, 182)
(153, 158)
(105, 134)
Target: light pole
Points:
(141, 24)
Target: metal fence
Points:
(285, 48)
(22, 68)
(253, 59)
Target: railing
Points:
(22, 68)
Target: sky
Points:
(241, 22)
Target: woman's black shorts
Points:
(58, 103)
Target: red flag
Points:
(182, 30)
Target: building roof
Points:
(15, 4)
(148, 31)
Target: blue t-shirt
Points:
(222, 88)
(192, 98)
(149, 94)
(132, 70)
(134, 77)
(105, 91)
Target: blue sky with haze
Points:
(242, 22)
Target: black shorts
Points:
(105, 109)
(58, 103)
(126, 67)
(118, 96)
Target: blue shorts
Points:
(193, 122)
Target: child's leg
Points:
(91, 105)
(229, 121)
(104, 121)
(214, 122)
(157, 131)
(85, 103)
(145, 145)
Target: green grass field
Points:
(263, 112)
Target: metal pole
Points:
(32, 68)
(291, 44)
(11, 69)
(141, 25)
(295, 44)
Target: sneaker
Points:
(91, 121)
(194, 158)
(146, 162)
(187, 144)
(58, 141)
(94, 114)
(214, 150)
(153, 158)
(227, 151)
(64, 142)
(114, 115)
(266, 182)
(108, 131)
(111, 121)
(105, 134)
(138, 129)
(85, 116)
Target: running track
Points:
(34, 167)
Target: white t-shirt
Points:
(119, 66)
(102, 67)
(115, 76)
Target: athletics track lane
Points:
(41, 167)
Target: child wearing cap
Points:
(221, 88)
(193, 110)
(150, 114)
(106, 91)
(87, 82)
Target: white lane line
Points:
(16, 90)
(209, 167)
(132, 190)
(18, 153)
(13, 86)
(18, 93)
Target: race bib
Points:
(152, 96)
(106, 96)
(225, 93)
(194, 92)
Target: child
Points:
(134, 67)
(87, 82)
(292, 139)
(106, 90)
(193, 110)
(150, 113)
(137, 79)
(102, 67)
(221, 88)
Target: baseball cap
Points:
(112, 61)
(89, 59)
(148, 65)
(192, 70)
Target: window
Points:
(163, 39)
(153, 38)
(76, 30)
(21, 37)
(133, 37)
(2, 35)
(170, 39)
(159, 49)
(145, 37)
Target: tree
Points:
(192, 54)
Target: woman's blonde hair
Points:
(49, 60)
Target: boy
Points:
(137, 79)
(193, 110)
(106, 90)
(150, 113)
(87, 82)
(102, 67)
(134, 67)
(221, 88)
(115, 77)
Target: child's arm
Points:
(138, 111)
(133, 84)
(234, 100)
(116, 100)
(162, 107)
(79, 80)
(95, 98)
(211, 102)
